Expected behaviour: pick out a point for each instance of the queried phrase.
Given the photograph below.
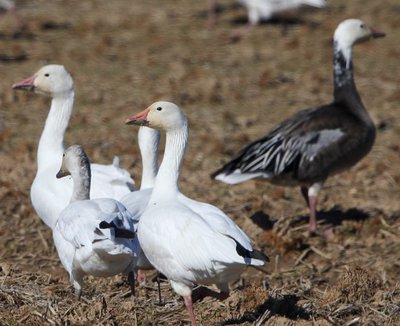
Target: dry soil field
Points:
(123, 56)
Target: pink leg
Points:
(189, 306)
(312, 227)
(140, 276)
(237, 36)
(212, 13)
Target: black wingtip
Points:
(106, 225)
(214, 174)
(254, 254)
(119, 233)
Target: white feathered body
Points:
(95, 251)
(190, 242)
(264, 9)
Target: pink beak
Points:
(139, 119)
(25, 84)
(376, 33)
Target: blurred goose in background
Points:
(263, 10)
(8, 6)
(316, 143)
(49, 195)
(100, 231)
(188, 246)
(259, 10)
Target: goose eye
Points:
(362, 25)
(159, 108)
(46, 75)
(64, 155)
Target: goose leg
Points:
(189, 306)
(312, 204)
(140, 276)
(304, 192)
(159, 289)
(131, 281)
(312, 226)
(76, 279)
(212, 13)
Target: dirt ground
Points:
(123, 56)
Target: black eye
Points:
(46, 75)
(362, 25)
(159, 108)
(64, 155)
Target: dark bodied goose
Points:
(315, 143)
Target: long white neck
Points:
(149, 140)
(51, 146)
(166, 185)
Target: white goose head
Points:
(74, 162)
(350, 32)
(160, 115)
(50, 80)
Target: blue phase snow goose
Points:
(315, 143)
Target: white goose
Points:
(148, 140)
(137, 201)
(189, 242)
(100, 231)
(258, 10)
(49, 195)
(9, 6)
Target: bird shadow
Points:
(334, 217)
(262, 220)
(13, 57)
(19, 35)
(337, 216)
(285, 21)
(284, 305)
(52, 25)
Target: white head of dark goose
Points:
(100, 231)
(189, 242)
(318, 142)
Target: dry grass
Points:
(126, 54)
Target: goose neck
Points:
(342, 67)
(166, 184)
(81, 179)
(51, 141)
(345, 91)
(148, 139)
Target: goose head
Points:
(50, 80)
(160, 115)
(74, 160)
(352, 31)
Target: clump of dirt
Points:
(356, 285)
